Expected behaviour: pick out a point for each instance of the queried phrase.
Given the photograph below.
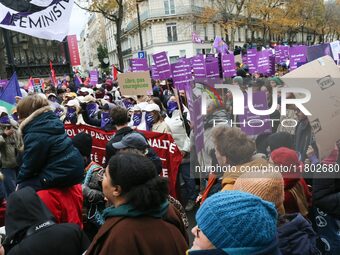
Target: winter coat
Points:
(9, 145)
(49, 154)
(31, 230)
(161, 127)
(296, 236)
(64, 203)
(326, 192)
(178, 132)
(128, 235)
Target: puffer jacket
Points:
(48, 154)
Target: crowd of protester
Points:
(56, 200)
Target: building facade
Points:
(90, 38)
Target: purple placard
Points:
(261, 126)
(228, 65)
(181, 74)
(212, 67)
(163, 66)
(298, 54)
(139, 64)
(94, 77)
(198, 65)
(281, 54)
(263, 64)
(318, 51)
(197, 118)
(154, 72)
(252, 60)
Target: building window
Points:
(182, 53)
(172, 32)
(173, 59)
(205, 33)
(169, 6)
(198, 51)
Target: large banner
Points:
(47, 19)
(163, 144)
(73, 50)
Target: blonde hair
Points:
(30, 104)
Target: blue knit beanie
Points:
(235, 219)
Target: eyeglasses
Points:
(197, 232)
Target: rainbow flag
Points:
(12, 89)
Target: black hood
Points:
(24, 209)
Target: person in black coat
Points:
(120, 117)
(31, 229)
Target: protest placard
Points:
(322, 78)
(138, 83)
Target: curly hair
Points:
(234, 144)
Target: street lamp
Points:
(139, 25)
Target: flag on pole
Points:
(114, 72)
(220, 45)
(53, 75)
(46, 19)
(77, 81)
(7, 97)
(196, 38)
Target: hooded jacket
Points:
(30, 228)
(296, 236)
(49, 154)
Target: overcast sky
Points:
(77, 21)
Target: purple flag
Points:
(139, 64)
(196, 38)
(263, 63)
(298, 54)
(220, 45)
(154, 72)
(162, 64)
(12, 89)
(258, 124)
(94, 77)
(212, 67)
(198, 65)
(252, 60)
(228, 65)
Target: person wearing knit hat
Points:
(297, 195)
(235, 222)
(276, 82)
(280, 139)
(269, 186)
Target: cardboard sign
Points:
(322, 78)
(132, 84)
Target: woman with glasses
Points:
(140, 220)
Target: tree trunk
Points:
(232, 38)
(314, 37)
(119, 22)
(302, 34)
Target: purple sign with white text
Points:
(94, 77)
(139, 64)
(228, 65)
(263, 64)
(154, 72)
(212, 67)
(162, 64)
(252, 60)
(281, 54)
(298, 54)
(198, 65)
(181, 74)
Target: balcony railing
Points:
(127, 52)
(161, 13)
